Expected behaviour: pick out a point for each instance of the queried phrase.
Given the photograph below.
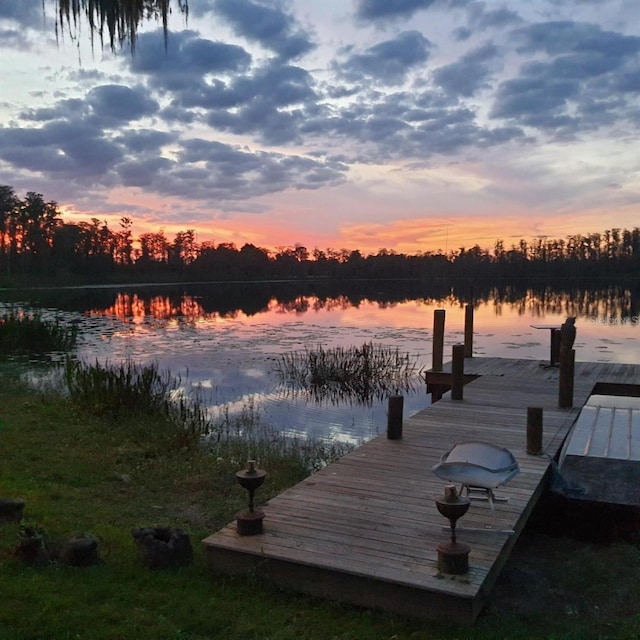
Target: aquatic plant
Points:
(129, 390)
(351, 373)
(26, 333)
(154, 404)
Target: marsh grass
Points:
(142, 394)
(356, 374)
(153, 407)
(26, 333)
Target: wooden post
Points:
(438, 339)
(457, 371)
(534, 431)
(565, 382)
(394, 417)
(554, 357)
(468, 331)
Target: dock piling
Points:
(394, 417)
(457, 371)
(554, 358)
(565, 378)
(534, 431)
(468, 331)
(438, 339)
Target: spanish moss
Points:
(119, 20)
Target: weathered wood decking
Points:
(365, 529)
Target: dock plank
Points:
(365, 529)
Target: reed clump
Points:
(353, 373)
(129, 391)
(27, 333)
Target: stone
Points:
(162, 547)
(11, 510)
(34, 546)
(80, 550)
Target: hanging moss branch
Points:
(120, 19)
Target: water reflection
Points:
(227, 338)
(190, 304)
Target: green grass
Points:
(82, 472)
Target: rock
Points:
(162, 547)
(34, 546)
(80, 550)
(11, 510)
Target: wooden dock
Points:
(365, 529)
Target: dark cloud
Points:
(262, 119)
(207, 170)
(201, 170)
(105, 106)
(283, 85)
(384, 9)
(270, 26)
(119, 104)
(268, 104)
(565, 36)
(71, 107)
(86, 142)
(141, 172)
(481, 19)
(143, 141)
(24, 12)
(461, 33)
(469, 73)
(13, 39)
(186, 59)
(570, 90)
(390, 61)
(535, 101)
(405, 125)
(70, 150)
(628, 81)
(20, 16)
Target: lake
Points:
(225, 340)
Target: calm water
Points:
(228, 348)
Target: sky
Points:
(406, 125)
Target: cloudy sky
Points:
(410, 125)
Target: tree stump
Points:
(11, 510)
(162, 547)
(34, 546)
(80, 550)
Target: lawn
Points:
(79, 472)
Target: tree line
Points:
(36, 242)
